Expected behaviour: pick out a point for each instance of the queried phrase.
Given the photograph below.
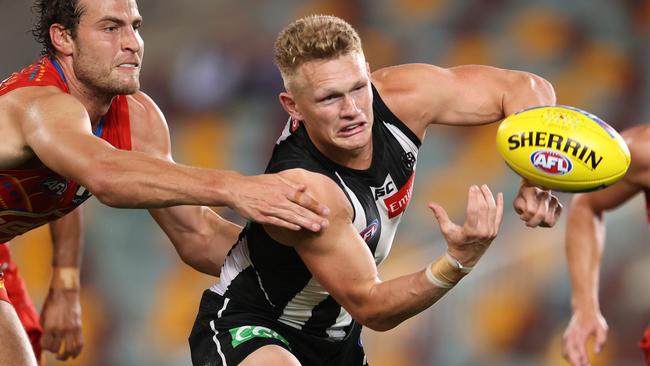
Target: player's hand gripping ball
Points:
(563, 148)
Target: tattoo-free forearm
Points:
(584, 248)
(201, 237)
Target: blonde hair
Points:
(315, 37)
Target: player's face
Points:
(334, 101)
(108, 48)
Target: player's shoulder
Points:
(40, 101)
(36, 95)
(147, 117)
(142, 105)
(322, 187)
(400, 79)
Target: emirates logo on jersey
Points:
(397, 203)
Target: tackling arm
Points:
(201, 237)
(56, 127)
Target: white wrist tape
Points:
(456, 264)
(446, 272)
(435, 280)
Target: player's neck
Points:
(96, 104)
(359, 159)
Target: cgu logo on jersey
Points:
(369, 232)
(397, 203)
(55, 185)
(551, 162)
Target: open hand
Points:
(271, 199)
(467, 243)
(582, 327)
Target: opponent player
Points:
(585, 240)
(289, 298)
(74, 124)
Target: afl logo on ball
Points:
(551, 162)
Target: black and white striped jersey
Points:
(268, 279)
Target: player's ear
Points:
(289, 105)
(61, 39)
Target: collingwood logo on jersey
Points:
(408, 160)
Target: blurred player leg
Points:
(19, 298)
(15, 349)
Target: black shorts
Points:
(226, 335)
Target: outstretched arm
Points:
(342, 263)
(469, 95)
(61, 314)
(585, 240)
(56, 127)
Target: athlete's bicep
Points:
(422, 94)
(336, 256)
(57, 128)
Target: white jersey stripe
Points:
(216, 332)
(238, 260)
(403, 140)
(359, 213)
(343, 320)
(298, 311)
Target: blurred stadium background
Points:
(208, 64)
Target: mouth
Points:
(129, 66)
(353, 129)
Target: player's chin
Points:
(356, 141)
(127, 88)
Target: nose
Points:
(349, 107)
(131, 40)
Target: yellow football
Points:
(563, 148)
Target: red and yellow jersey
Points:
(32, 195)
